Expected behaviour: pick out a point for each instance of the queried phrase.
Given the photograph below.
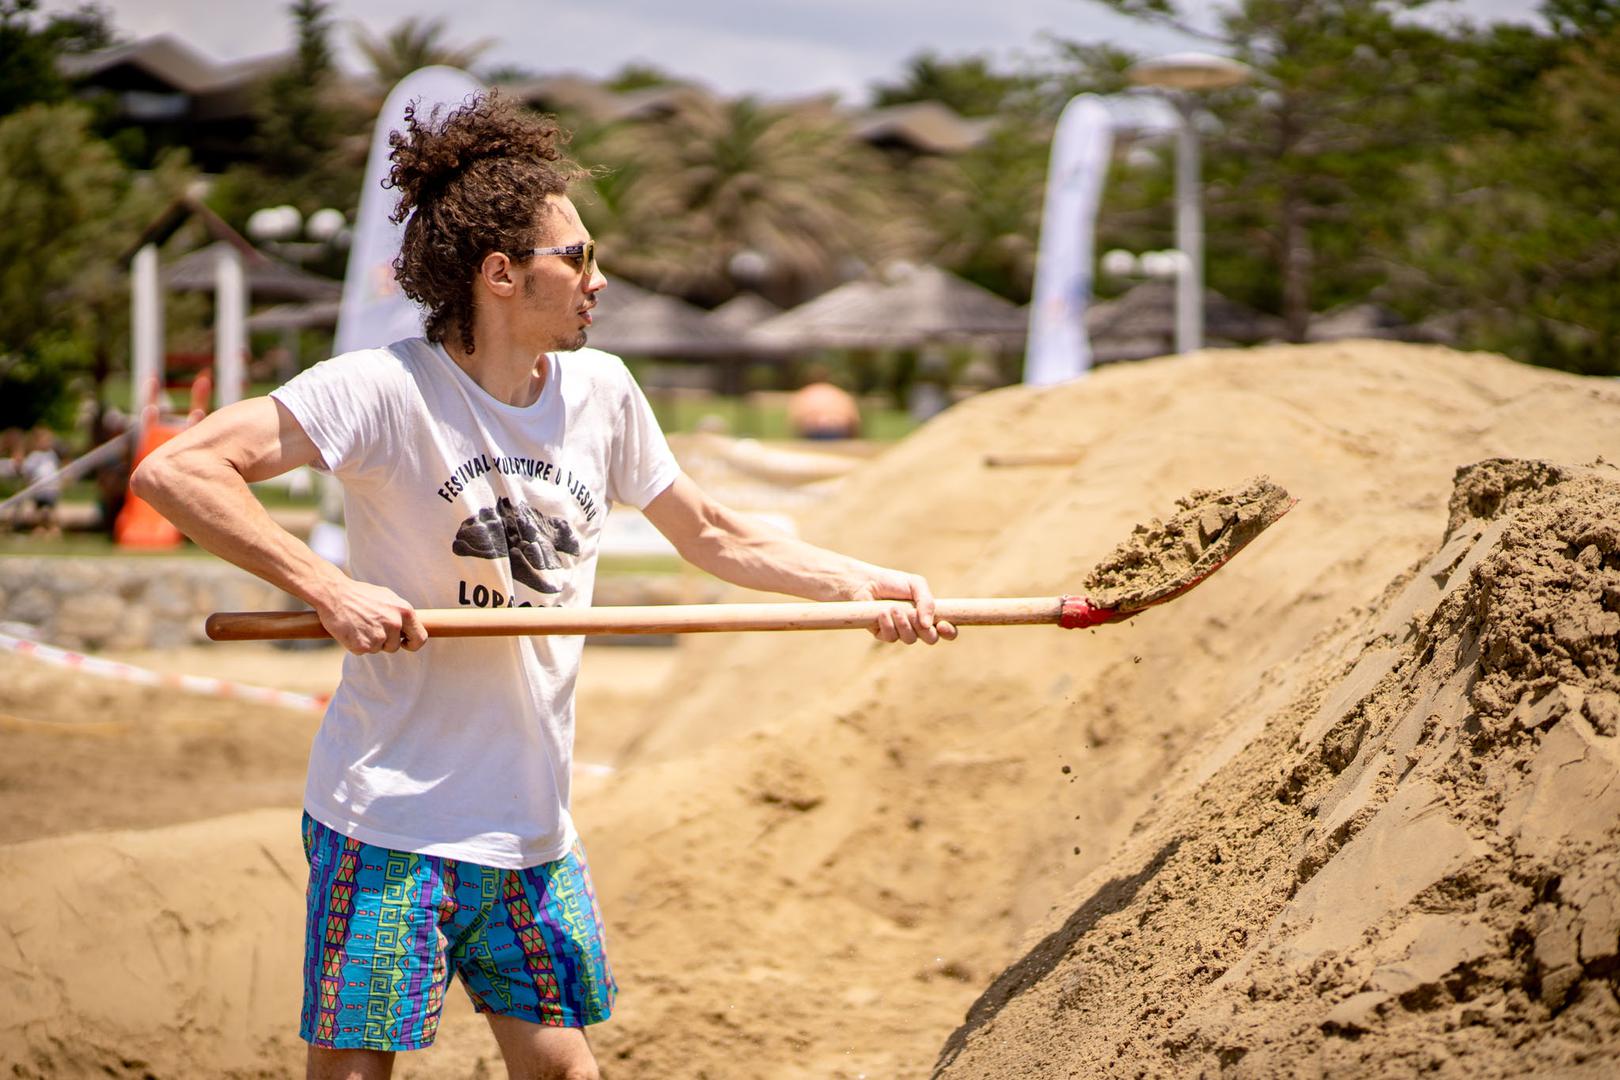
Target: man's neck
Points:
(505, 370)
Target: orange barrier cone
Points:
(138, 524)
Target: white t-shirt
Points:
(452, 498)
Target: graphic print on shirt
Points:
(530, 541)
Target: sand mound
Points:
(1415, 865)
(901, 821)
(818, 851)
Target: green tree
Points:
(58, 185)
(312, 141)
(635, 76)
(412, 44)
(29, 54)
(72, 208)
(1309, 158)
(684, 195)
(980, 212)
(297, 126)
(1515, 232)
(968, 84)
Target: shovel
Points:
(1069, 612)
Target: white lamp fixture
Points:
(1118, 263)
(325, 224)
(274, 223)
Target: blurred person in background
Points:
(478, 463)
(40, 466)
(112, 475)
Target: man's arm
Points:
(741, 550)
(199, 480)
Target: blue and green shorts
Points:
(384, 929)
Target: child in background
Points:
(41, 464)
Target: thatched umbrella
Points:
(920, 307)
(314, 315)
(742, 313)
(267, 278)
(1142, 323)
(633, 321)
(1367, 320)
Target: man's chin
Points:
(569, 344)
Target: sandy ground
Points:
(818, 855)
(186, 808)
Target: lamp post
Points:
(1182, 74)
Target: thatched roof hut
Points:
(1369, 320)
(920, 306)
(311, 315)
(922, 127)
(1142, 323)
(742, 313)
(268, 278)
(633, 321)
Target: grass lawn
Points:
(98, 544)
(764, 416)
(759, 416)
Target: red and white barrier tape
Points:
(190, 684)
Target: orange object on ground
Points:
(138, 524)
(823, 411)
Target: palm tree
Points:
(686, 194)
(412, 44)
(982, 209)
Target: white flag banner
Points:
(1058, 349)
(374, 312)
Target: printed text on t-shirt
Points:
(512, 465)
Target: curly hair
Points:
(470, 184)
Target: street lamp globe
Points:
(325, 224)
(274, 223)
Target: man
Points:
(478, 465)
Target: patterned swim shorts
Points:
(384, 928)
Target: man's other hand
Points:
(369, 619)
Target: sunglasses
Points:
(583, 254)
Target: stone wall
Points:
(124, 603)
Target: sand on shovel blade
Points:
(1163, 557)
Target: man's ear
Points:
(498, 274)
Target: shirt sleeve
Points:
(641, 465)
(347, 407)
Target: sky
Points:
(768, 48)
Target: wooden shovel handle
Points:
(667, 619)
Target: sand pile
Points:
(818, 851)
(901, 821)
(1414, 865)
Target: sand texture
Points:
(1371, 756)
(1415, 864)
(1163, 558)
